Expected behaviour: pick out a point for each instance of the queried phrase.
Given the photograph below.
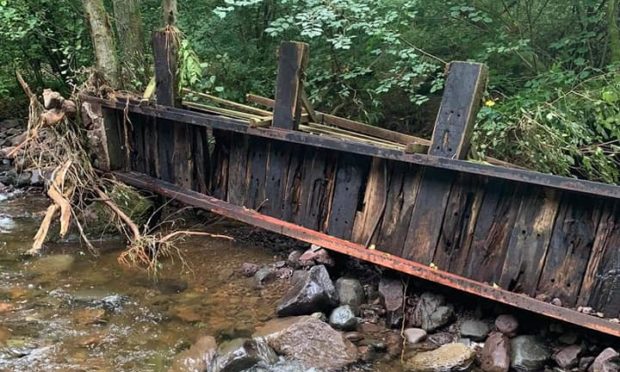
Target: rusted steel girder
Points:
(359, 251)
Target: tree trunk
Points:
(614, 33)
(130, 31)
(170, 12)
(103, 41)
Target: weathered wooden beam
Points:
(231, 104)
(239, 126)
(459, 106)
(292, 61)
(373, 256)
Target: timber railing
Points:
(511, 235)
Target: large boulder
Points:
(350, 292)
(240, 354)
(199, 357)
(309, 340)
(450, 357)
(313, 291)
(528, 353)
(392, 293)
(495, 355)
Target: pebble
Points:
(414, 335)
(507, 324)
(495, 355)
(528, 353)
(343, 318)
(568, 357)
(477, 330)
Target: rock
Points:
(442, 338)
(293, 258)
(477, 330)
(354, 336)
(391, 291)
(450, 357)
(249, 269)
(606, 361)
(350, 292)
(507, 324)
(5, 307)
(393, 344)
(556, 302)
(283, 365)
(568, 338)
(51, 265)
(343, 318)
(414, 335)
(314, 292)
(568, 357)
(585, 362)
(495, 355)
(264, 275)
(198, 357)
(240, 354)
(528, 353)
(89, 316)
(316, 256)
(310, 341)
(430, 313)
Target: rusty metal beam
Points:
(239, 126)
(359, 251)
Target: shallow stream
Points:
(72, 311)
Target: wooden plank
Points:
(404, 185)
(115, 138)
(572, 241)
(237, 169)
(221, 160)
(459, 105)
(258, 153)
(348, 190)
(292, 60)
(427, 215)
(202, 164)
(279, 157)
(293, 185)
(367, 221)
(373, 256)
(459, 221)
(151, 156)
(136, 137)
(315, 189)
(600, 288)
(165, 50)
(494, 225)
(323, 142)
(529, 240)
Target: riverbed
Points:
(70, 310)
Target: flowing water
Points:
(72, 311)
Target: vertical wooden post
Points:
(292, 61)
(165, 49)
(453, 127)
(457, 114)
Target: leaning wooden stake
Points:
(293, 58)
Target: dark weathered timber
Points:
(315, 189)
(427, 215)
(237, 169)
(459, 221)
(165, 51)
(256, 173)
(279, 157)
(459, 105)
(348, 185)
(201, 171)
(292, 61)
(292, 189)
(493, 228)
(359, 251)
(600, 288)
(115, 138)
(529, 240)
(403, 188)
(151, 157)
(136, 141)
(220, 164)
(323, 142)
(369, 218)
(571, 243)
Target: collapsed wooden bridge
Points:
(510, 235)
